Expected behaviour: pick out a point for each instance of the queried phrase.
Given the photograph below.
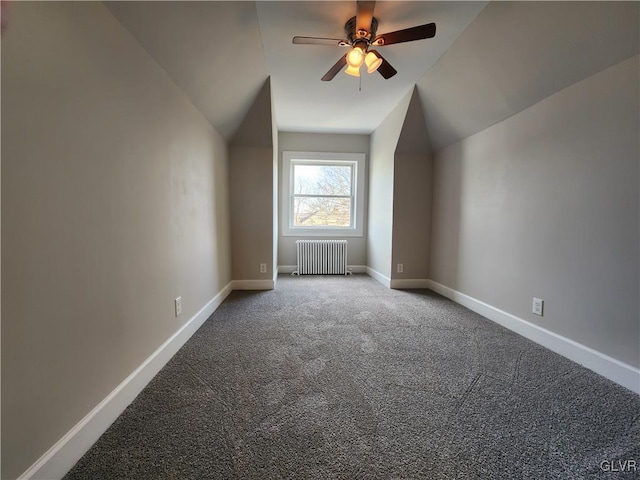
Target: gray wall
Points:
(412, 192)
(114, 202)
(380, 206)
(321, 142)
(275, 198)
(250, 183)
(546, 204)
(251, 188)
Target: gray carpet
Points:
(334, 377)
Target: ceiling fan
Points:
(361, 34)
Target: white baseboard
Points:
(252, 285)
(293, 268)
(384, 280)
(401, 283)
(611, 368)
(287, 268)
(62, 456)
(357, 268)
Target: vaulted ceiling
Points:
(486, 62)
(515, 54)
(304, 103)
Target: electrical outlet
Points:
(178, 305)
(538, 305)
(400, 268)
(263, 268)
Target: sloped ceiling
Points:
(211, 50)
(220, 53)
(515, 54)
(486, 63)
(304, 103)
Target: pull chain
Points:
(360, 83)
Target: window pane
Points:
(322, 180)
(318, 211)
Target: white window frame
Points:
(357, 160)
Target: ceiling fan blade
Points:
(385, 69)
(364, 15)
(333, 71)
(334, 42)
(407, 35)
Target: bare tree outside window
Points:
(322, 195)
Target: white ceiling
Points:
(304, 103)
(211, 50)
(486, 62)
(220, 54)
(515, 54)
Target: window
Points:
(323, 193)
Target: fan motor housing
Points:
(360, 35)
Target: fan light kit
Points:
(361, 34)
